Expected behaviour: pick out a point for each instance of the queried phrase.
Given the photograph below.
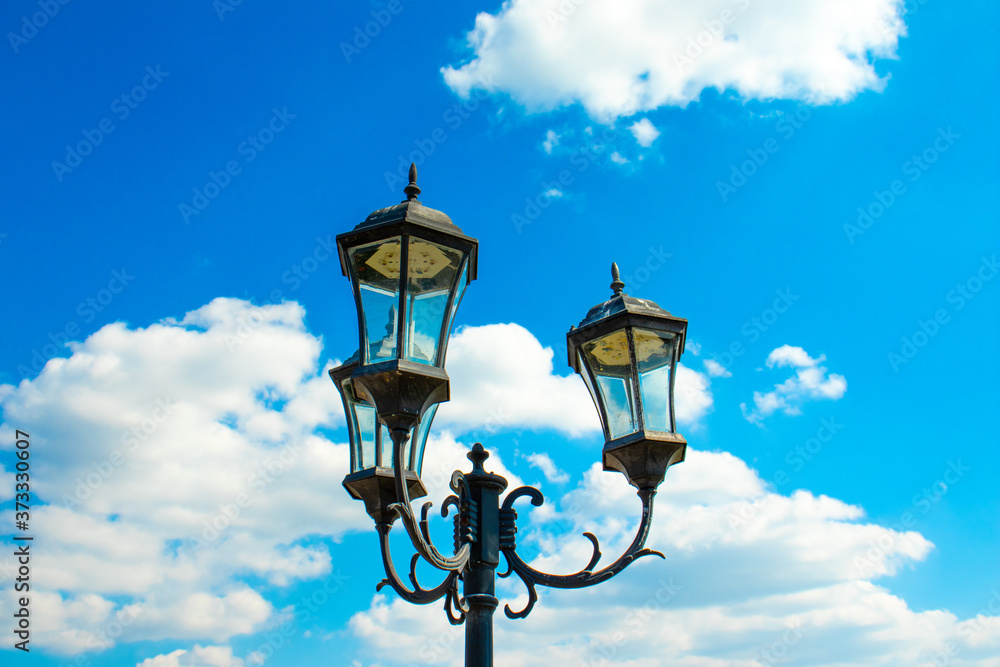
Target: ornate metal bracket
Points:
(468, 532)
(585, 577)
(418, 532)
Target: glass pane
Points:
(463, 282)
(585, 374)
(388, 449)
(420, 441)
(608, 359)
(617, 394)
(376, 268)
(432, 272)
(654, 352)
(365, 420)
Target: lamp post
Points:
(409, 266)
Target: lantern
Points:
(626, 350)
(371, 478)
(409, 266)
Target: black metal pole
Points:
(480, 575)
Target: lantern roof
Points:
(407, 215)
(621, 304)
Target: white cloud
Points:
(644, 131)
(619, 59)
(544, 462)
(716, 370)
(618, 158)
(185, 456)
(744, 564)
(180, 458)
(811, 382)
(551, 141)
(502, 377)
(199, 656)
(152, 435)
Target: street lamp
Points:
(409, 266)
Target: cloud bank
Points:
(622, 58)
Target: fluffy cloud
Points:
(619, 59)
(544, 462)
(199, 656)
(178, 459)
(502, 377)
(645, 132)
(187, 456)
(811, 382)
(751, 577)
(715, 369)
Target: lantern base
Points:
(401, 390)
(644, 457)
(377, 488)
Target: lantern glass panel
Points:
(420, 440)
(609, 360)
(366, 441)
(361, 426)
(432, 272)
(463, 282)
(376, 268)
(654, 354)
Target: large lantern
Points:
(626, 350)
(409, 266)
(372, 453)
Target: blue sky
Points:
(812, 184)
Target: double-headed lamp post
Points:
(409, 266)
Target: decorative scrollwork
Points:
(585, 577)
(418, 594)
(453, 602)
(418, 530)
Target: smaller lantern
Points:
(372, 452)
(626, 350)
(409, 266)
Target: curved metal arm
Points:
(417, 595)
(585, 577)
(418, 532)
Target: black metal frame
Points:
(485, 528)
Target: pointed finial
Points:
(478, 456)
(412, 190)
(616, 283)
